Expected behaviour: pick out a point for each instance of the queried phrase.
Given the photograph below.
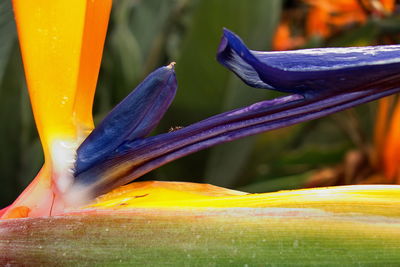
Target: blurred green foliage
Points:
(144, 35)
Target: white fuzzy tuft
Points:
(64, 156)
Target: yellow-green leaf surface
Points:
(157, 223)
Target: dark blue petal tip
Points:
(233, 54)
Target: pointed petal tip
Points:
(172, 65)
(229, 34)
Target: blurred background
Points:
(361, 145)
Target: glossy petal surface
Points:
(316, 71)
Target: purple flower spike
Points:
(323, 81)
(310, 71)
(133, 118)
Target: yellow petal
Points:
(132, 195)
(173, 195)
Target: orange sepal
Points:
(381, 128)
(61, 43)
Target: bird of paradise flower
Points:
(82, 164)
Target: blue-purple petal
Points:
(324, 81)
(131, 119)
(144, 155)
(310, 71)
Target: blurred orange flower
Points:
(283, 39)
(325, 18)
(387, 139)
